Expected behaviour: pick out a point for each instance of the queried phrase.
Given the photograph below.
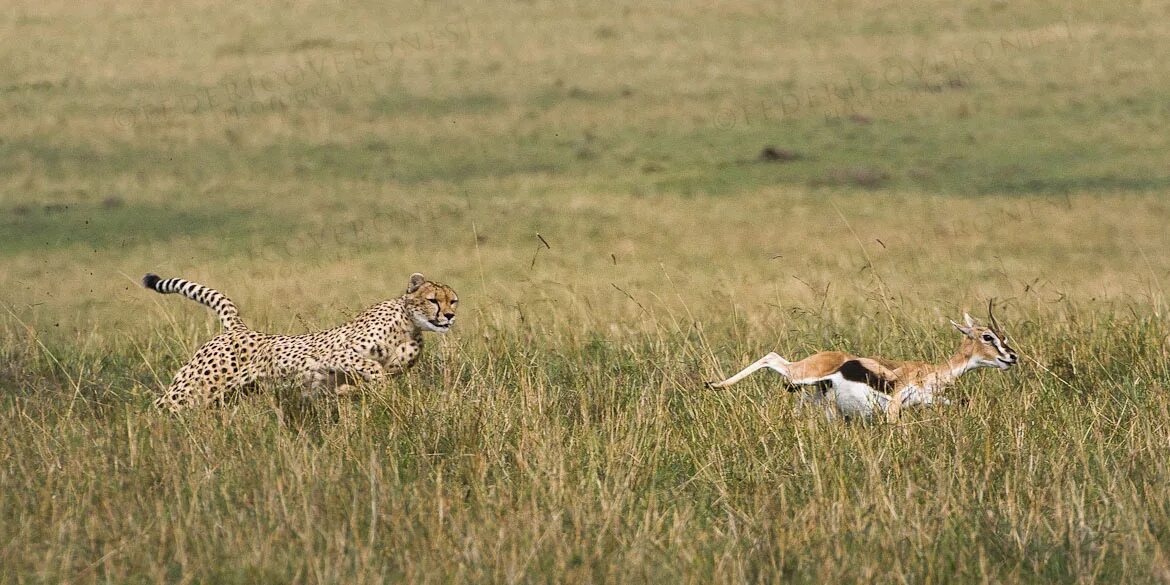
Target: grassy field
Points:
(589, 177)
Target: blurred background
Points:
(741, 143)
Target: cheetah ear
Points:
(416, 280)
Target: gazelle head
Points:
(986, 345)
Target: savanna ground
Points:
(305, 158)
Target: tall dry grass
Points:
(562, 432)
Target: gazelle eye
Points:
(988, 338)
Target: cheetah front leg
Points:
(391, 363)
(335, 374)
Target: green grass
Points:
(306, 159)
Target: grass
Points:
(306, 160)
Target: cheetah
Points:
(383, 340)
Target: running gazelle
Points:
(862, 386)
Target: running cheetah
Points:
(384, 339)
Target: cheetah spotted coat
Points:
(384, 339)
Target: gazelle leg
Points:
(815, 397)
(917, 397)
(894, 405)
(928, 398)
(910, 397)
(772, 360)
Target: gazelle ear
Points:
(964, 330)
(416, 280)
(969, 319)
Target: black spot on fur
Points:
(853, 371)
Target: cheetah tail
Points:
(228, 314)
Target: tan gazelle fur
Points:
(861, 386)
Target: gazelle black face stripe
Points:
(1002, 347)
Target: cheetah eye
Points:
(435, 301)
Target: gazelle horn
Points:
(991, 315)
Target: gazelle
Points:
(862, 386)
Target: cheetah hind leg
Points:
(185, 393)
(305, 407)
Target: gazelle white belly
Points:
(855, 399)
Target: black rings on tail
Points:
(228, 314)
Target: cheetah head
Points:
(431, 304)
